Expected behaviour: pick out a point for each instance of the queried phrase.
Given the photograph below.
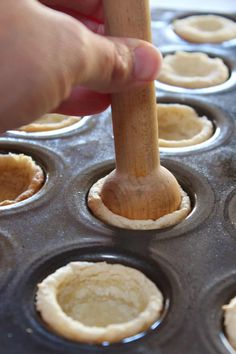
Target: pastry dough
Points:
(230, 321)
(179, 125)
(98, 302)
(205, 28)
(99, 209)
(193, 70)
(20, 178)
(48, 122)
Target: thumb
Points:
(107, 64)
(115, 64)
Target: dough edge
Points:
(230, 321)
(62, 324)
(103, 213)
(43, 126)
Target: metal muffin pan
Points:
(165, 19)
(193, 262)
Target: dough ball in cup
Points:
(179, 126)
(230, 321)
(51, 121)
(98, 302)
(193, 70)
(205, 28)
(20, 178)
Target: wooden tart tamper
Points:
(139, 188)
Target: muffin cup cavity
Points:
(20, 178)
(192, 70)
(225, 40)
(195, 186)
(222, 123)
(99, 210)
(163, 22)
(229, 62)
(49, 169)
(48, 122)
(84, 124)
(205, 28)
(160, 273)
(97, 302)
(180, 126)
(213, 331)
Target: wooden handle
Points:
(139, 188)
(134, 113)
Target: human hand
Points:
(52, 62)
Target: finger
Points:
(90, 8)
(84, 102)
(93, 25)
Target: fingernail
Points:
(147, 62)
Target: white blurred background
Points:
(199, 5)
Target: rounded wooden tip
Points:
(142, 198)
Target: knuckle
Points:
(121, 65)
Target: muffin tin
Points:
(193, 263)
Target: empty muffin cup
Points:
(49, 122)
(205, 28)
(179, 126)
(193, 70)
(98, 302)
(20, 178)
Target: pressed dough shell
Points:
(205, 28)
(99, 209)
(193, 70)
(76, 299)
(49, 122)
(179, 126)
(230, 321)
(20, 178)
